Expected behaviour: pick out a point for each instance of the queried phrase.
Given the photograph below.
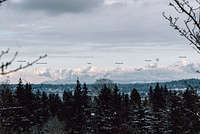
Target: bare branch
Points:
(191, 29)
(190, 14)
(1, 1)
(3, 53)
(4, 66)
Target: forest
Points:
(163, 111)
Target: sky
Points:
(101, 32)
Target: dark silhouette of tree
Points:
(188, 22)
(25, 111)
(77, 97)
(20, 93)
(85, 97)
(99, 84)
(117, 109)
(54, 104)
(176, 114)
(117, 99)
(135, 113)
(78, 108)
(44, 112)
(105, 111)
(135, 97)
(191, 110)
(21, 114)
(150, 95)
(66, 113)
(158, 98)
(6, 96)
(125, 107)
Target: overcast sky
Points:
(75, 32)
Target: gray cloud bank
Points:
(57, 6)
(132, 23)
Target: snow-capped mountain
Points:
(122, 74)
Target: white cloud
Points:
(130, 74)
(127, 30)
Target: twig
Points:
(4, 66)
(191, 31)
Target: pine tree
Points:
(78, 109)
(117, 108)
(85, 97)
(6, 95)
(176, 114)
(105, 111)
(67, 113)
(117, 99)
(20, 93)
(135, 111)
(125, 107)
(88, 113)
(54, 104)
(29, 97)
(158, 98)
(159, 110)
(77, 98)
(191, 109)
(44, 107)
(24, 111)
(135, 98)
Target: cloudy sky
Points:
(101, 32)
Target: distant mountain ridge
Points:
(125, 88)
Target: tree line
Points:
(162, 111)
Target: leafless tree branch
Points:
(4, 66)
(191, 24)
(3, 53)
(1, 1)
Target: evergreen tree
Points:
(191, 109)
(158, 98)
(159, 108)
(6, 95)
(78, 109)
(54, 104)
(125, 107)
(67, 114)
(150, 95)
(29, 98)
(25, 117)
(44, 107)
(85, 97)
(117, 109)
(135, 98)
(105, 111)
(116, 99)
(135, 112)
(176, 115)
(77, 98)
(20, 93)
